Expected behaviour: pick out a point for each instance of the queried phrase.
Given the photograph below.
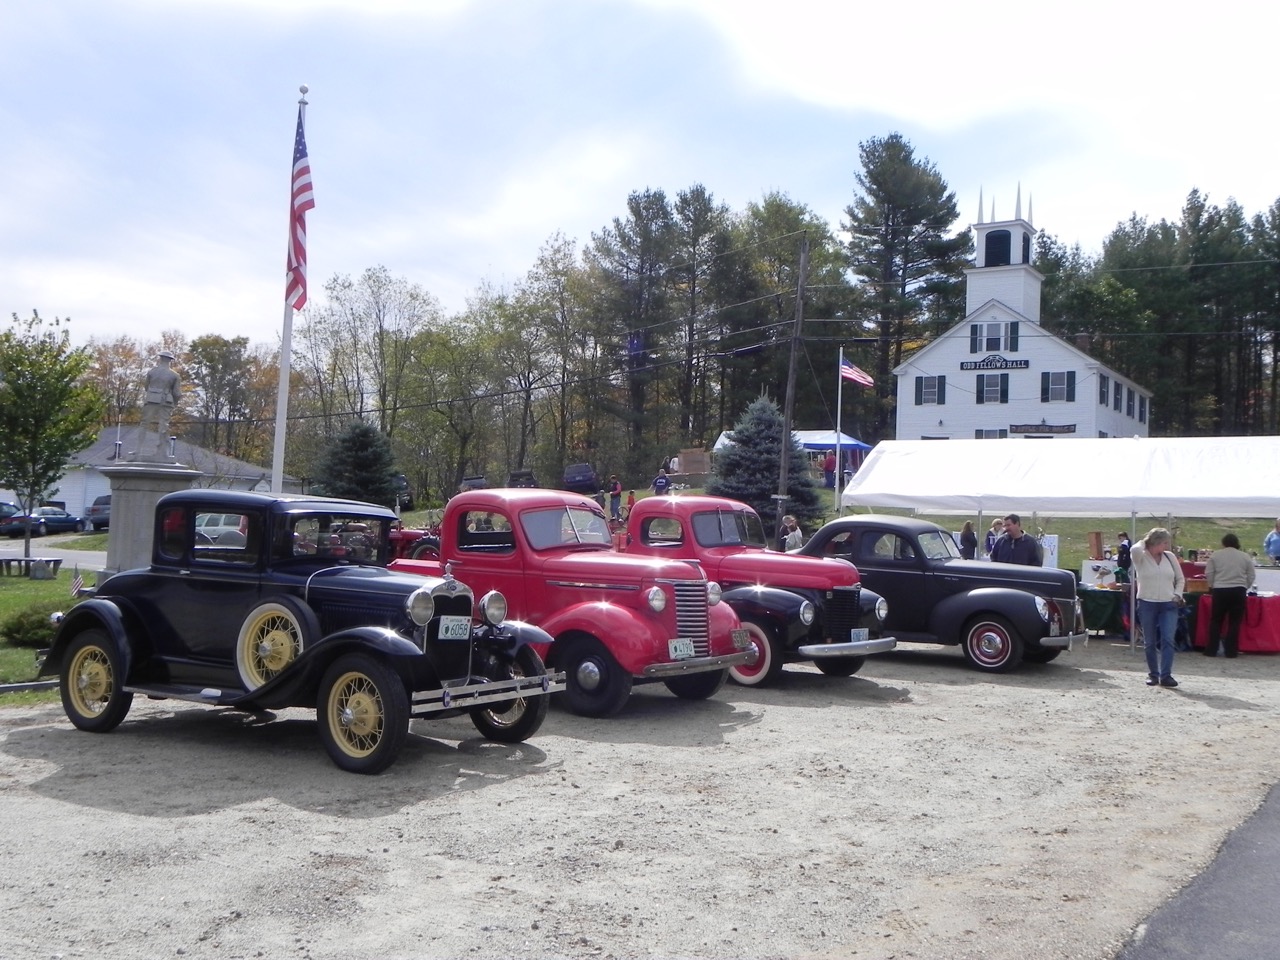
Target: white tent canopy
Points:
(1113, 477)
(809, 440)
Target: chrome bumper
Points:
(478, 694)
(860, 648)
(1065, 641)
(677, 668)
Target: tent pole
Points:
(1133, 587)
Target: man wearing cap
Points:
(161, 393)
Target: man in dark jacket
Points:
(1016, 546)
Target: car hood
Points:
(1049, 581)
(366, 580)
(605, 564)
(730, 565)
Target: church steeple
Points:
(1003, 269)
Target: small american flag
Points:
(295, 286)
(850, 372)
(77, 583)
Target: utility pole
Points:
(789, 406)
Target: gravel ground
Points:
(917, 810)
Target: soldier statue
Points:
(162, 391)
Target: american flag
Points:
(850, 372)
(77, 582)
(295, 286)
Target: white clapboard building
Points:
(999, 374)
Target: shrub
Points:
(32, 627)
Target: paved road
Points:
(1229, 911)
(88, 560)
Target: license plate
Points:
(741, 639)
(859, 634)
(680, 648)
(455, 628)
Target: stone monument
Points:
(148, 473)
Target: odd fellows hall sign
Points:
(995, 362)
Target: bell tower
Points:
(1003, 270)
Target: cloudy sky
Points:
(147, 143)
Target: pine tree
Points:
(358, 466)
(748, 469)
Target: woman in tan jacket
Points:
(1230, 574)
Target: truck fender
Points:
(722, 622)
(1017, 606)
(772, 605)
(634, 641)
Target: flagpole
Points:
(839, 408)
(286, 337)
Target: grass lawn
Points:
(17, 664)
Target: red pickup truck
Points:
(795, 608)
(615, 620)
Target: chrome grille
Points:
(693, 617)
(841, 612)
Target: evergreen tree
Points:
(900, 246)
(748, 470)
(358, 466)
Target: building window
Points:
(990, 434)
(991, 388)
(1128, 407)
(1142, 409)
(998, 250)
(1058, 387)
(1104, 389)
(993, 337)
(931, 390)
(1119, 395)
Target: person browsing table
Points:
(1230, 574)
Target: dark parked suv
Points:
(581, 478)
(99, 512)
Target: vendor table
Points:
(1260, 631)
(1103, 609)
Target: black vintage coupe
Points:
(999, 613)
(292, 605)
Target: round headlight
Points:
(493, 607)
(657, 599)
(882, 609)
(807, 613)
(713, 592)
(1042, 608)
(420, 607)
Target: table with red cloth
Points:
(1259, 631)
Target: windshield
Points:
(561, 526)
(938, 545)
(724, 528)
(351, 538)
